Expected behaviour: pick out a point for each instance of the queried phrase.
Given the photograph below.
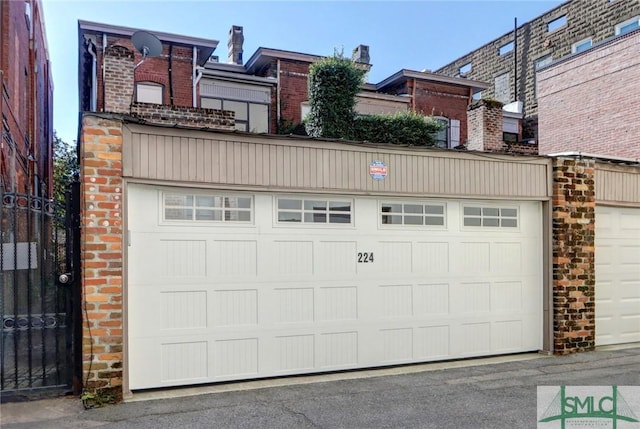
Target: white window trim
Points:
(490, 228)
(150, 86)
(195, 222)
(627, 22)
(410, 226)
(574, 47)
(302, 223)
(305, 109)
(468, 66)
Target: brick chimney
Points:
(484, 125)
(361, 54)
(118, 79)
(236, 39)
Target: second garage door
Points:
(228, 286)
(617, 275)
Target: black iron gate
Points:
(39, 302)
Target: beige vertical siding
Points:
(276, 163)
(617, 184)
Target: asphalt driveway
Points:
(486, 393)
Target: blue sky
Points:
(416, 35)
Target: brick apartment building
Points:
(600, 86)
(268, 93)
(510, 62)
(26, 102)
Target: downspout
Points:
(93, 103)
(104, 50)
(413, 95)
(195, 76)
(170, 73)
(515, 59)
(33, 149)
(278, 108)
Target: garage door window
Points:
(397, 213)
(296, 210)
(496, 217)
(207, 208)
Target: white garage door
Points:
(617, 275)
(227, 286)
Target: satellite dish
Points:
(147, 44)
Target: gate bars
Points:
(35, 309)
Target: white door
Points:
(617, 275)
(227, 286)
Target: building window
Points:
(557, 23)
(449, 136)
(465, 69)
(502, 88)
(249, 117)
(628, 25)
(581, 45)
(206, 208)
(441, 137)
(496, 217)
(542, 61)
(149, 93)
(537, 65)
(305, 109)
(313, 210)
(398, 213)
(506, 48)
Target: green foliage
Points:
(406, 128)
(98, 398)
(333, 85)
(287, 127)
(65, 171)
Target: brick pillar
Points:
(484, 125)
(101, 254)
(118, 79)
(573, 255)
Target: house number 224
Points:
(365, 257)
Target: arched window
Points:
(149, 92)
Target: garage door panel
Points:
(234, 308)
(336, 258)
(272, 299)
(339, 303)
(432, 342)
(431, 300)
(234, 258)
(617, 275)
(507, 335)
(431, 258)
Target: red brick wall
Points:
(588, 103)
(433, 99)
(293, 89)
(573, 255)
(101, 254)
(26, 99)
(156, 70)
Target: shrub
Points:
(333, 85)
(407, 128)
